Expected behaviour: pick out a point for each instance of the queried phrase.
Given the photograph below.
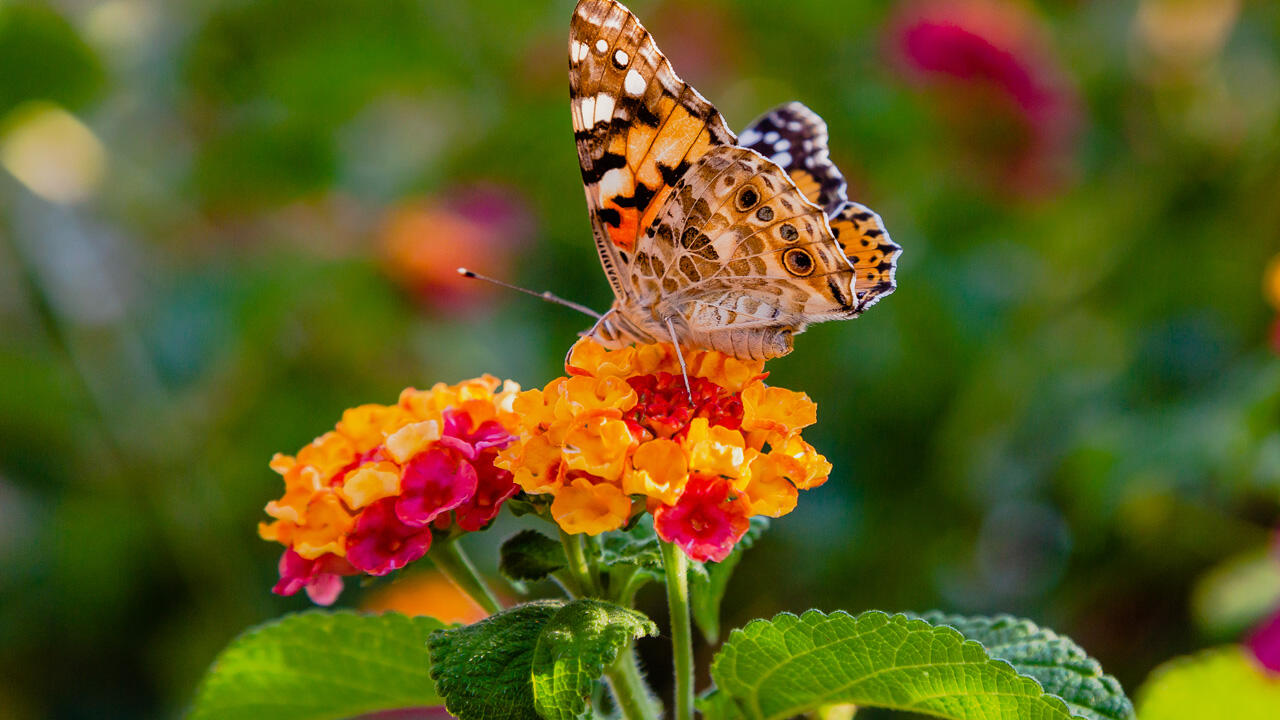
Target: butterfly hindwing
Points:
(638, 126)
(737, 245)
(867, 244)
(795, 137)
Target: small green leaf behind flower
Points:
(538, 660)
(321, 666)
(529, 555)
(780, 668)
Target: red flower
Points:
(1008, 99)
(381, 543)
(664, 408)
(704, 522)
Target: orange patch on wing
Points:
(624, 236)
(807, 184)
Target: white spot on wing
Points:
(620, 57)
(604, 108)
(750, 136)
(615, 182)
(587, 111)
(601, 45)
(579, 51)
(634, 84)
(783, 159)
(771, 137)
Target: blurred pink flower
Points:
(985, 61)
(1264, 641)
(480, 227)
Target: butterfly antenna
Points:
(680, 356)
(545, 295)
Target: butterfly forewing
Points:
(639, 127)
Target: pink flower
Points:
(1264, 643)
(434, 483)
(322, 577)
(704, 522)
(381, 543)
(1007, 98)
(494, 485)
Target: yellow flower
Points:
(583, 507)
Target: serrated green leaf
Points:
(574, 649)
(483, 670)
(717, 705)
(707, 588)
(529, 555)
(321, 666)
(1061, 667)
(1220, 684)
(790, 665)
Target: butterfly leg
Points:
(680, 356)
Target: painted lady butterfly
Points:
(715, 241)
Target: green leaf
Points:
(715, 704)
(320, 665)
(575, 647)
(483, 670)
(1061, 667)
(790, 665)
(1220, 684)
(636, 546)
(707, 588)
(529, 555)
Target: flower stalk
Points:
(676, 566)
(452, 561)
(635, 702)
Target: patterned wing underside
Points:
(874, 255)
(737, 245)
(794, 137)
(638, 126)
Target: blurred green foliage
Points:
(1068, 411)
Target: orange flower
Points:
(583, 507)
(622, 423)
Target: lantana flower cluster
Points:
(369, 495)
(621, 434)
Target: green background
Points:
(1070, 409)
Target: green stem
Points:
(578, 564)
(629, 688)
(454, 563)
(676, 566)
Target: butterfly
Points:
(710, 240)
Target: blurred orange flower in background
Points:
(480, 227)
(425, 593)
